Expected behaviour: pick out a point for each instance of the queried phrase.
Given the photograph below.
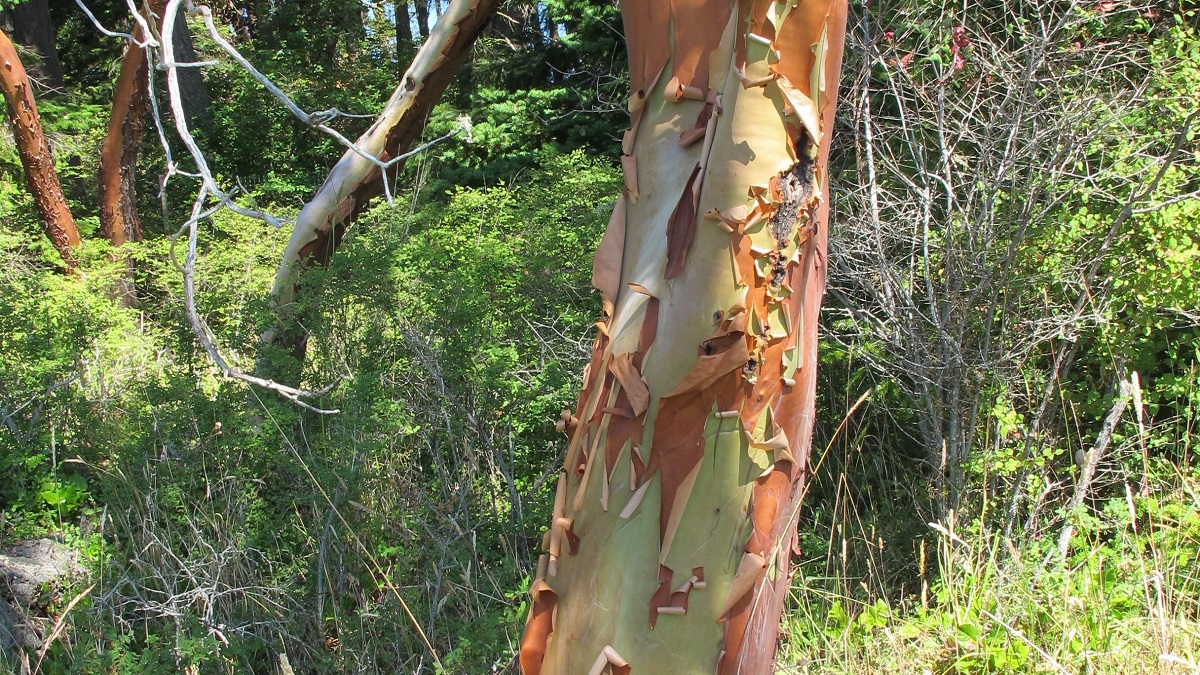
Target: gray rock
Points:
(15, 631)
(33, 566)
(31, 574)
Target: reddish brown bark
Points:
(122, 144)
(36, 157)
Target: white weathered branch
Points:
(209, 187)
(350, 182)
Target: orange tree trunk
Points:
(675, 515)
(35, 153)
(118, 158)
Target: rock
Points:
(15, 631)
(31, 573)
(30, 567)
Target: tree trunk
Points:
(354, 181)
(30, 26)
(423, 18)
(197, 106)
(404, 36)
(35, 154)
(674, 519)
(118, 157)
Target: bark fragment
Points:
(606, 267)
(681, 228)
(538, 628)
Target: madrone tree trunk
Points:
(118, 157)
(354, 181)
(36, 157)
(674, 519)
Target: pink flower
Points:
(958, 42)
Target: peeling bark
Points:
(701, 385)
(123, 142)
(354, 181)
(36, 157)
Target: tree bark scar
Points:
(794, 187)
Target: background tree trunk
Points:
(674, 519)
(30, 26)
(423, 18)
(197, 105)
(122, 144)
(404, 36)
(35, 153)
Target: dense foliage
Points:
(224, 526)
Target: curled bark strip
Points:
(538, 628)
(646, 22)
(567, 527)
(566, 421)
(698, 131)
(666, 601)
(755, 12)
(623, 432)
(635, 500)
(750, 568)
(610, 463)
(551, 541)
(678, 503)
(676, 450)
(581, 491)
(609, 659)
(719, 355)
(632, 382)
(606, 267)
(648, 331)
(769, 493)
(678, 91)
(802, 107)
(806, 27)
(662, 594)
